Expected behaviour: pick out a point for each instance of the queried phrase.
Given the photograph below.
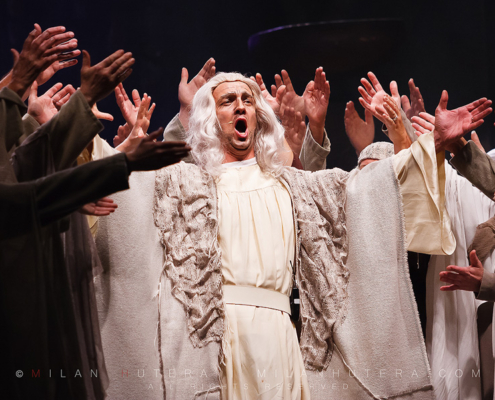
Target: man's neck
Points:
(232, 158)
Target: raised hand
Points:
(316, 99)
(44, 107)
(5, 81)
(360, 133)
(464, 278)
(151, 155)
(424, 123)
(292, 99)
(274, 99)
(140, 127)
(373, 95)
(99, 208)
(15, 56)
(295, 129)
(40, 51)
(99, 80)
(395, 126)
(122, 134)
(128, 109)
(63, 96)
(188, 90)
(416, 105)
(52, 69)
(451, 125)
(101, 115)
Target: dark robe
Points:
(50, 331)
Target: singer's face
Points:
(236, 113)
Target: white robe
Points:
(452, 336)
(127, 294)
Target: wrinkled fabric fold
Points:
(257, 239)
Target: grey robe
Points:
(477, 167)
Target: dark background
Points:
(441, 44)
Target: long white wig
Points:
(204, 129)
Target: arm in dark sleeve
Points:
(12, 109)
(29, 125)
(67, 133)
(80, 185)
(487, 289)
(484, 240)
(477, 167)
(60, 194)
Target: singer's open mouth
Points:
(241, 129)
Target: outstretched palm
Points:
(274, 100)
(143, 118)
(316, 98)
(416, 105)
(99, 208)
(451, 125)
(128, 108)
(291, 98)
(361, 133)
(140, 127)
(42, 108)
(373, 95)
(295, 129)
(188, 90)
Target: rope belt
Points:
(254, 296)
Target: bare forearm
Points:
(184, 117)
(403, 143)
(318, 132)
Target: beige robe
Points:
(422, 195)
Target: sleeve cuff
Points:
(119, 164)
(78, 97)
(477, 167)
(313, 157)
(29, 124)
(174, 130)
(12, 96)
(466, 156)
(487, 289)
(312, 148)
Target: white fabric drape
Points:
(452, 338)
(256, 235)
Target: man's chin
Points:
(238, 151)
(241, 146)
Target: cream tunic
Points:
(256, 235)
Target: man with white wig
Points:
(220, 242)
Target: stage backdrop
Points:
(442, 45)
